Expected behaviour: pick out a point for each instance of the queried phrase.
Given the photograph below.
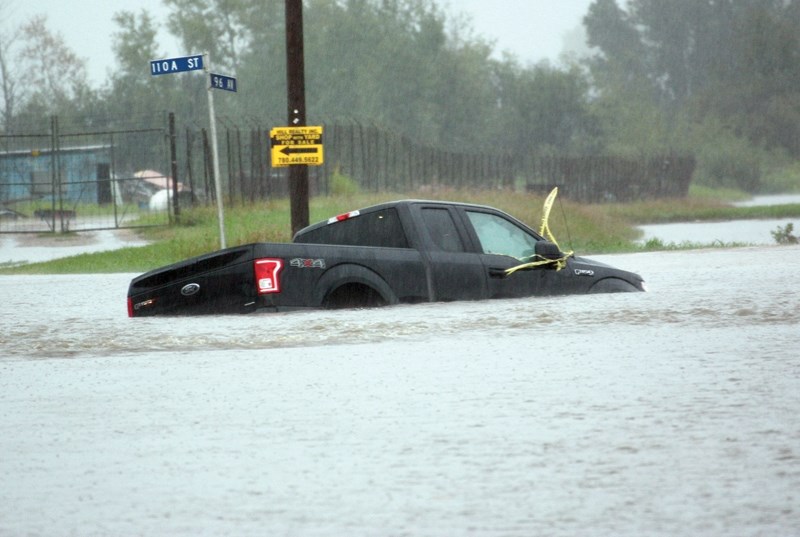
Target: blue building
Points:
(71, 174)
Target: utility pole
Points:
(296, 92)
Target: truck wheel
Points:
(612, 285)
(354, 295)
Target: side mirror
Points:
(548, 250)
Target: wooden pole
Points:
(296, 92)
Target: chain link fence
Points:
(72, 179)
(68, 180)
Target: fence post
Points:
(239, 160)
(189, 172)
(173, 157)
(229, 164)
(57, 190)
(206, 164)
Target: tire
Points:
(613, 285)
(354, 295)
(352, 286)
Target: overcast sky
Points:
(532, 30)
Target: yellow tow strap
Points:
(544, 231)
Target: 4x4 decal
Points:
(307, 263)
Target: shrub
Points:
(783, 235)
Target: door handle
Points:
(497, 273)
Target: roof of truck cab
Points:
(386, 205)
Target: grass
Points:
(584, 228)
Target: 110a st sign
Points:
(176, 65)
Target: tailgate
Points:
(221, 282)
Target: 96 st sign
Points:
(222, 82)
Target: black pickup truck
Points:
(400, 252)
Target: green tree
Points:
(55, 81)
(245, 39)
(394, 64)
(135, 95)
(624, 59)
(214, 26)
(735, 60)
(398, 64)
(545, 109)
(758, 94)
(9, 83)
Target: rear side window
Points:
(442, 229)
(376, 228)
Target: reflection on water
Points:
(775, 199)
(661, 413)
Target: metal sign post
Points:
(212, 120)
(197, 62)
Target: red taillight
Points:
(132, 308)
(267, 275)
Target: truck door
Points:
(504, 244)
(455, 272)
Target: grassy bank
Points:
(586, 229)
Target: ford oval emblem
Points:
(190, 289)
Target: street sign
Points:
(176, 65)
(222, 82)
(296, 145)
(197, 62)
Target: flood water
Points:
(728, 233)
(21, 248)
(672, 412)
(736, 232)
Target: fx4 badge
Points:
(583, 272)
(307, 263)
